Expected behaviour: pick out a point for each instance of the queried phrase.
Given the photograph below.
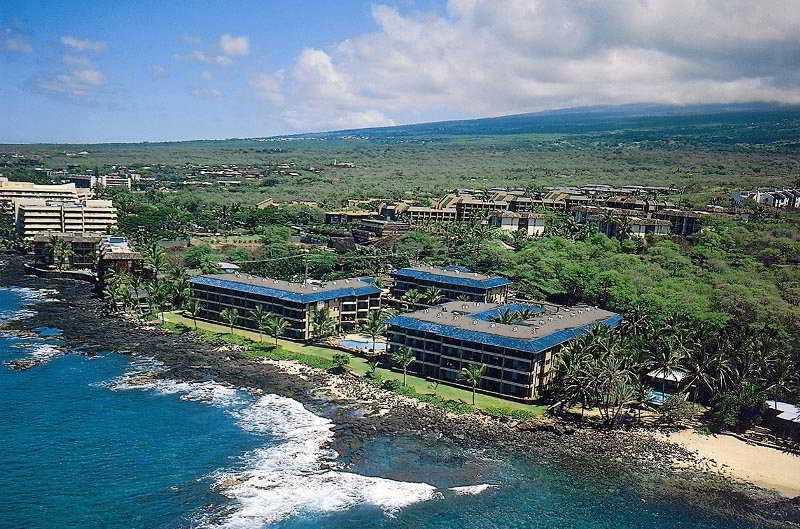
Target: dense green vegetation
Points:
(708, 150)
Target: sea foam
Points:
(294, 475)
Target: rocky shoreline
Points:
(652, 468)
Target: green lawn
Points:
(360, 366)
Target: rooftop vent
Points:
(464, 306)
(513, 329)
(492, 325)
(474, 322)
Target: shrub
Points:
(677, 409)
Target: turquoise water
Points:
(83, 448)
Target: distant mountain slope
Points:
(583, 120)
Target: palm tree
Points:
(507, 317)
(667, 357)
(472, 374)
(230, 316)
(276, 325)
(194, 306)
(322, 323)
(412, 296)
(62, 252)
(432, 296)
(155, 258)
(260, 315)
(404, 357)
(375, 325)
(157, 297)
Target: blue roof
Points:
(531, 345)
(489, 315)
(452, 279)
(296, 297)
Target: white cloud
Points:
(494, 57)
(234, 46)
(205, 74)
(11, 41)
(207, 93)
(83, 45)
(81, 81)
(201, 56)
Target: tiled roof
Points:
(452, 277)
(295, 292)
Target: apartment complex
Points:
(612, 221)
(107, 181)
(84, 247)
(372, 229)
(776, 198)
(520, 357)
(531, 224)
(37, 216)
(348, 301)
(455, 283)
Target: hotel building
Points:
(349, 301)
(455, 283)
(37, 216)
(520, 357)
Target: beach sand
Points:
(760, 465)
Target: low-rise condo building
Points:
(454, 282)
(348, 301)
(371, 229)
(83, 248)
(520, 356)
(532, 224)
(36, 216)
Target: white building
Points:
(532, 224)
(36, 216)
(776, 198)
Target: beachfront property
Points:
(532, 224)
(84, 247)
(36, 216)
(520, 357)
(348, 301)
(455, 283)
(116, 255)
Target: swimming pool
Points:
(365, 346)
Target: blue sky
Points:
(97, 71)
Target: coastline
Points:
(637, 458)
(766, 467)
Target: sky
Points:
(128, 71)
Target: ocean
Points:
(83, 447)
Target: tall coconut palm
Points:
(155, 259)
(472, 375)
(157, 297)
(404, 357)
(230, 316)
(276, 326)
(375, 325)
(260, 315)
(194, 307)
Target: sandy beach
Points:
(760, 465)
